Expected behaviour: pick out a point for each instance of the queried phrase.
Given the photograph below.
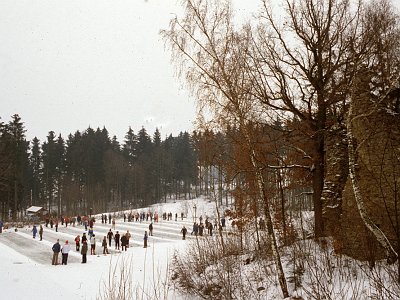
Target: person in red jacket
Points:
(77, 242)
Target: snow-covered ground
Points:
(26, 271)
(311, 270)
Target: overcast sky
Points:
(68, 65)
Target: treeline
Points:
(91, 171)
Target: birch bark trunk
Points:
(270, 228)
(392, 255)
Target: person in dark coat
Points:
(183, 231)
(116, 238)
(84, 251)
(145, 238)
(34, 231)
(104, 244)
(110, 235)
(210, 228)
(124, 242)
(84, 237)
(56, 249)
(151, 229)
(201, 229)
(195, 228)
(41, 232)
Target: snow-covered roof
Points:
(34, 209)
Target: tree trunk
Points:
(282, 207)
(318, 184)
(392, 256)
(270, 228)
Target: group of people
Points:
(200, 228)
(121, 243)
(80, 220)
(35, 231)
(64, 252)
(104, 218)
(150, 216)
(142, 216)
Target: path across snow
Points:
(25, 263)
(40, 251)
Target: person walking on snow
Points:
(64, 251)
(77, 242)
(110, 235)
(124, 242)
(90, 231)
(183, 231)
(104, 244)
(41, 232)
(84, 251)
(128, 236)
(151, 229)
(92, 245)
(56, 249)
(84, 237)
(34, 231)
(116, 238)
(146, 237)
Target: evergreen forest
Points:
(89, 171)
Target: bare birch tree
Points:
(211, 56)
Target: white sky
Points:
(67, 65)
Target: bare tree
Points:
(301, 67)
(211, 56)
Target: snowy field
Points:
(26, 271)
